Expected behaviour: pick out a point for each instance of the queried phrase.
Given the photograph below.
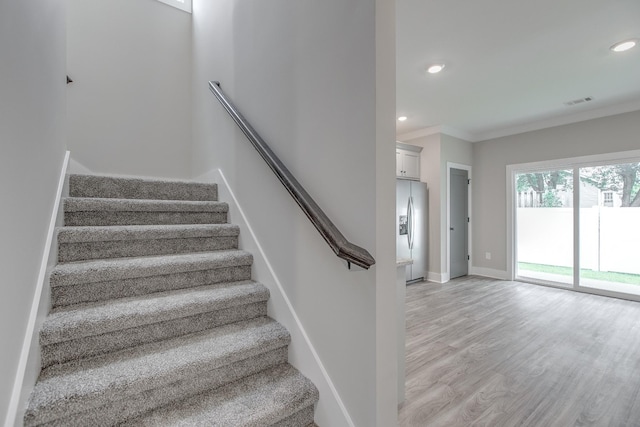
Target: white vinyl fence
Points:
(609, 238)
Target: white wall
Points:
(456, 150)
(388, 315)
(430, 173)
(598, 136)
(129, 107)
(304, 74)
(32, 144)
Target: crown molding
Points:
(561, 120)
(566, 119)
(433, 130)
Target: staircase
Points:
(155, 320)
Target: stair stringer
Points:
(330, 409)
(30, 356)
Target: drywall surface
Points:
(304, 75)
(455, 150)
(129, 107)
(598, 136)
(32, 138)
(388, 369)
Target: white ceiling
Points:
(512, 64)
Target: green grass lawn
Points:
(607, 276)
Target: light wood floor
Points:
(482, 352)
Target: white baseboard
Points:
(437, 277)
(489, 272)
(29, 363)
(330, 410)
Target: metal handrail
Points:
(344, 249)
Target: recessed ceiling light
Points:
(436, 68)
(624, 45)
(402, 118)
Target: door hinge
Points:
(468, 181)
(468, 219)
(468, 257)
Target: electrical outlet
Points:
(487, 255)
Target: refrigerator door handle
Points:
(410, 222)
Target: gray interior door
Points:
(459, 226)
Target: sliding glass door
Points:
(544, 218)
(610, 227)
(578, 225)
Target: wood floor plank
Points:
(482, 352)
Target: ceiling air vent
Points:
(578, 101)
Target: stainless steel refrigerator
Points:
(411, 227)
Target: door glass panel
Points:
(544, 218)
(610, 227)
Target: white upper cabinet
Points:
(408, 161)
(399, 158)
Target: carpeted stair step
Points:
(83, 243)
(101, 280)
(106, 390)
(155, 319)
(139, 188)
(279, 396)
(106, 211)
(87, 330)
